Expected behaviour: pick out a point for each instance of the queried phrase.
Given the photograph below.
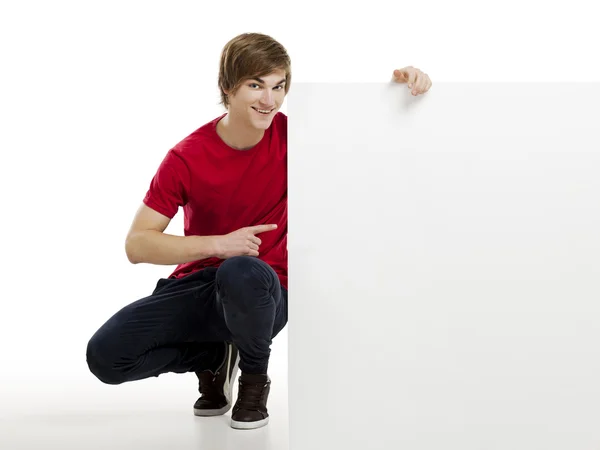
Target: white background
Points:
(92, 95)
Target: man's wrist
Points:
(207, 247)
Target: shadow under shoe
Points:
(216, 387)
(250, 410)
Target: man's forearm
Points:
(154, 247)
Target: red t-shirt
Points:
(222, 190)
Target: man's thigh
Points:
(178, 311)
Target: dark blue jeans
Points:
(182, 325)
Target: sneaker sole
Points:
(211, 412)
(227, 390)
(249, 425)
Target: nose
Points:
(267, 98)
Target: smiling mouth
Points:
(264, 112)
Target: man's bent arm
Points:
(156, 247)
(147, 243)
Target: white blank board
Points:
(444, 257)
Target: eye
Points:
(252, 85)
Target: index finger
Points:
(401, 75)
(262, 228)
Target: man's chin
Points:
(262, 124)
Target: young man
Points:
(227, 298)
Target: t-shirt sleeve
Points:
(170, 186)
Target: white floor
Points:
(82, 413)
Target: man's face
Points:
(257, 100)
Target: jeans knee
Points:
(98, 362)
(246, 272)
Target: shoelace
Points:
(250, 395)
(207, 380)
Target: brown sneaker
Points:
(216, 387)
(250, 410)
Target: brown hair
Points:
(251, 55)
